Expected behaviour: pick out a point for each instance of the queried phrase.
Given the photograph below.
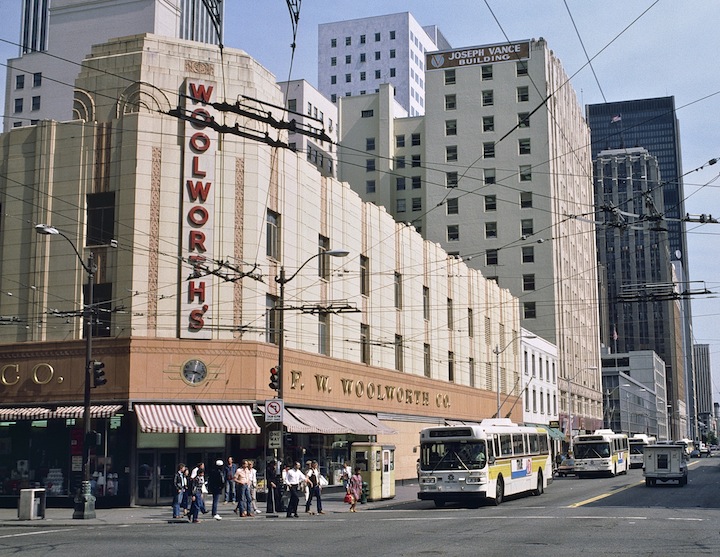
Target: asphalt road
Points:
(579, 517)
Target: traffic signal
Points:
(274, 379)
(98, 369)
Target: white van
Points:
(663, 463)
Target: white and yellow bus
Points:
(489, 460)
(637, 444)
(601, 452)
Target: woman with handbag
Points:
(355, 489)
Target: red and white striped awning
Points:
(34, 413)
(96, 411)
(167, 418)
(231, 418)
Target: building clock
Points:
(194, 372)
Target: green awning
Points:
(553, 432)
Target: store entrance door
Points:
(156, 471)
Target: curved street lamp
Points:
(85, 500)
(282, 280)
(497, 351)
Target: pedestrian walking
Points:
(197, 505)
(216, 484)
(355, 489)
(314, 487)
(253, 486)
(243, 477)
(180, 483)
(272, 487)
(230, 469)
(295, 480)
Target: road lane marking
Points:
(603, 495)
(36, 533)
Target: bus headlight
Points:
(428, 480)
(474, 480)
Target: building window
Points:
(392, 72)
(392, 53)
(417, 204)
(488, 123)
(524, 120)
(450, 127)
(366, 114)
(100, 218)
(450, 77)
(377, 76)
(370, 186)
(363, 75)
(333, 43)
(324, 334)
(20, 81)
(37, 79)
(415, 139)
(392, 35)
(528, 282)
(399, 141)
(451, 367)
(377, 37)
(471, 363)
(398, 290)
(523, 94)
(491, 203)
(489, 149)
(488, 98)
(491, 257)
(323, 260)
(348, 78)
(529, 310)
(526, 201)
(363, 57)
(525, 172)
(450, 317)
(365, 343)
(333, 97)
(426, 303)
(292, 105)
(471, 323)
(377, 55)
(487, 73)
(362, 39)
(18, 105)
(333, 61)
(400, 183)
(348, 58)
(348, 41)
(399, 353)
(364, 275)
(489, 176)
(370, 144)
(452, 205)
(524, 146)
(272, 231)
(526, 226)
(427, 368)
(451, 153)
(416, 182)
(36, 103)
(528, 254)
(271, 320)
(451, 179)
(400, 205)
(369, 165)
(400, 162)
(415, 161)
(521, 68)
(453, 233)
(450, 102)
(491, 230)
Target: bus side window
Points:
(533, 443)
(505, 445)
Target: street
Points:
(593, 516)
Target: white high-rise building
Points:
(56, 36)
(356, 56)
(494, 173)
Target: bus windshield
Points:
(637, 448)
(453, 455)
(597, 449)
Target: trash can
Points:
(32, 504)
(364, 493)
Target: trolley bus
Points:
(601, 452)
(637, 444)
(489, 460)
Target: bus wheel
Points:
(439, 503)
(540, 489)
(499, 491)
(648, 482)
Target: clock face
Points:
(194, 372)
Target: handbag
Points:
(322, 481)
(349, 498)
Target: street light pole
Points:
(84, 500)
(282, 280)
(497, 353)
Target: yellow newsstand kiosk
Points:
(377, 468)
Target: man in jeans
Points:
(180, 482)
(243, 480)
(230, 469)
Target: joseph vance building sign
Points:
(476, 55)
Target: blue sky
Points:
(671, 49)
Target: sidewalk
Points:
(332, 503)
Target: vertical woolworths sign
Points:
(198, 195)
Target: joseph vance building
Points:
(394, 337)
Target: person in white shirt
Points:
(313, 483)
(294, 480)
